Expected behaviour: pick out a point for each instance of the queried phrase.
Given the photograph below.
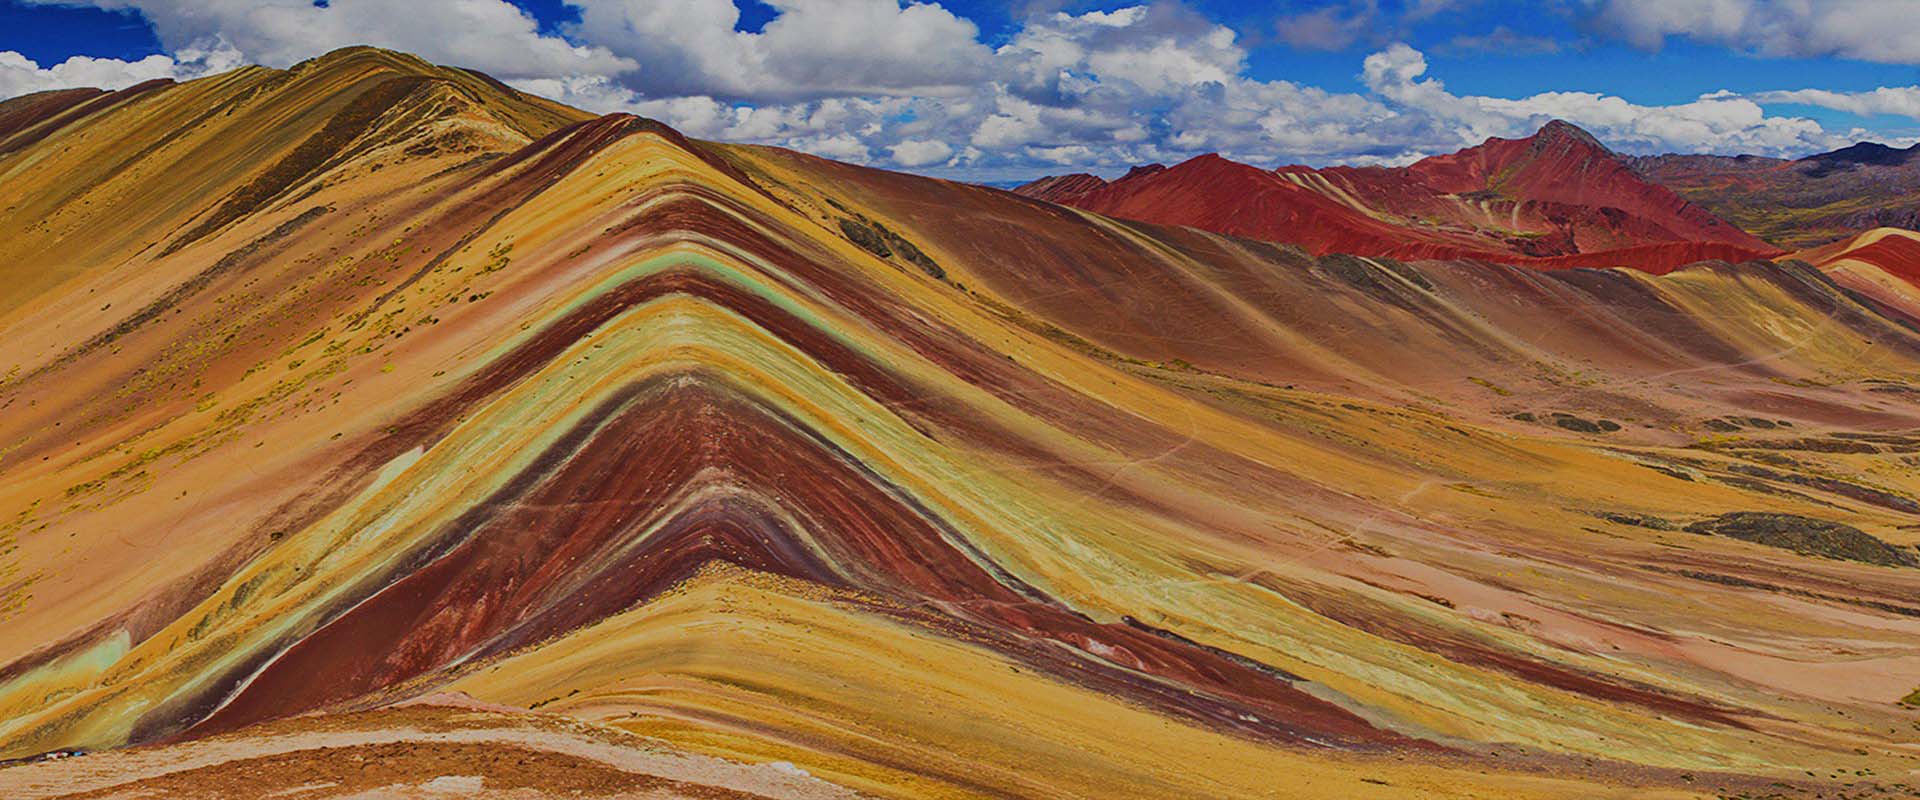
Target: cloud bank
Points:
(1886, 31)
(914, 85)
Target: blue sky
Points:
(1002, 89)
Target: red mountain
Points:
(1554, 199)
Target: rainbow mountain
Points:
(372, 427)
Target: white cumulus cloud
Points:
(1896, 100)
(1872, 30)
(490, 35)
(921, 152)
(809, 48)
(1718, 122)
(21, 75)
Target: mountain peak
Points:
(1205, 163)
(362, 56)
(1061, 188)
(1868, 153)
(1562, 130)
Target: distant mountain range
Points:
(1802, 202)
(1558, 198)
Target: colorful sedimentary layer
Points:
(1553, 200)
(1880, 266)
(372, 411)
